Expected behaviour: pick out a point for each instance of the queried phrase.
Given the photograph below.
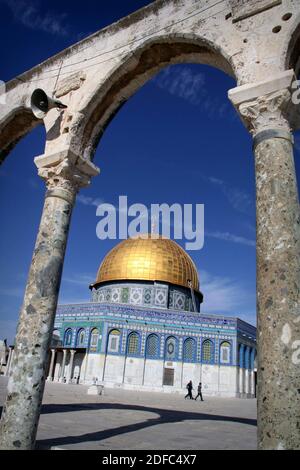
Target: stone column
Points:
(247, 371)
(9, 361)
(252, 384)
(252, 378)
(241, 369)
(50, 374)
(63, 366)
(64, 174)
(267, 110)
(70, 371)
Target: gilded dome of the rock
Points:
(150, 259)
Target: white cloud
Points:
(81, 279)
(230, 237)
(89, 201)
(182, 82)
(29, 15)
(238, 199)
(228, 296)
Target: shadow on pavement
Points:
(165, 417)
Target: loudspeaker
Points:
(41, 103)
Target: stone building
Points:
(143, 329)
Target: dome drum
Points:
(147, 294)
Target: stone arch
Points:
(292, 47)
(17, 124)
(137, 68)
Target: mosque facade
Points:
(143, 329)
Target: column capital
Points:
(267, 112)
(65, 173)
(268, 105)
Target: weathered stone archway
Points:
(14, 127)
(132, 72)
(255, 41)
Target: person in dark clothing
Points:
(189, 389)
(199, 392)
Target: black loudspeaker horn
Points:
(41, 103)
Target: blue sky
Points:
(178, 139)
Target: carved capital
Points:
(65, 175)
(267, 111)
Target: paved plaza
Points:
(121, 419)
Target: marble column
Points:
(51, 369)
(63, 366)
(268, 110)
(242, 370)
(252, 383)
(252, 375)
(71, 364)
(247, 371)
(64, 174)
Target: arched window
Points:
(94, 339)
(207, 351)
(80, 338)
(68, 337)
(242, 355)
(133, 343)
(189, 350)
(247, 357)
(252, 358)
(56, 341)
(113, 341)
(225, 352)
(170, 348)
(152, 348)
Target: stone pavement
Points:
(122, 419)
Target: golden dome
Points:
(149, 259)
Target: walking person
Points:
(199, 392)
(189, 389)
